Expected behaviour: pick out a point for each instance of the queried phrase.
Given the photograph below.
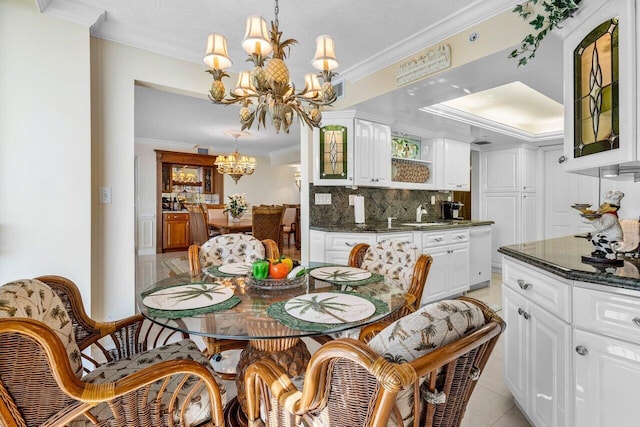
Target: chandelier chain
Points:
(276, 10)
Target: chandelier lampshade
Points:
(267, 89)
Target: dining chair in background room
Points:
(267, 223)
(289, 222)
(215, 213)
(44, 370)
(436, 354)
(198, 226)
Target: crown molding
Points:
(474, 13)
(74, 11)
(461, 116)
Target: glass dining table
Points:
(226, 302)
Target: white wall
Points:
(267, 185)
(45, 147)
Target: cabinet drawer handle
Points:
(438, 239)
(349, 244)
(636, 321)
(582, 350)
(523, 313)
(524, 286)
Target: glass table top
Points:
(244, 312)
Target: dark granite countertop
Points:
(562, 256)
(381, 227)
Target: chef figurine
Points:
(608, 230)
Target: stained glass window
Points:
(596, 102)
(333, 152)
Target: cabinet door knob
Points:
(526, 315)
(520, 311)
(636, 321)
(524, 286)
(582, 350)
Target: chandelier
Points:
(267, 89)
(234, 164)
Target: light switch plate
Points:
(105, 194)
(323, 199)
(352, 199)
(433, 200)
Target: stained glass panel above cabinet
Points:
(596, 86)
(333, 152)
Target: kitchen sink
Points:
(423, 224)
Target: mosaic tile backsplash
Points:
(379, 203)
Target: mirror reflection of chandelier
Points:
(268, 87)
(234, 164)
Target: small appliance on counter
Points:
(166, 204)
(451, 210)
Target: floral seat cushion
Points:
(392, 258)
(230, 248)
(198, 409)
(33, 299)
(422, 332)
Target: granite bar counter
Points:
(562, 257)
(382, 227)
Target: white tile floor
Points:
(491, 404)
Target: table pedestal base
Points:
(291, 354)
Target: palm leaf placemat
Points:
(214, 271)
(334, 309)
(189, 299)
(350, 276)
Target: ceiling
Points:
(180, 28)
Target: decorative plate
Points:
(238, 268)
(580, 205)
(188, 296)
(340, 274)
(330, 307)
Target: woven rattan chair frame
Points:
(198, 224)
(115, 340)
(267, 223)
(352, 386)
(130, 395)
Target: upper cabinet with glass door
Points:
(600, 85)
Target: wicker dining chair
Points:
(289, 222)
(267, 223)
(435, 354)
(399, 261)
(42, 381)
(198, 223)
(230, 248)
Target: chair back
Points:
(198, 224)
(630, 236)
(215, 212)
(267, 223)
(28, 388)
(289, 216)
(401, 262)
(435, 354)
(230, 248)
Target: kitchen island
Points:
(461, 250)
(572, 343)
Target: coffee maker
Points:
(451, 210)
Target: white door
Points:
(529, 170)
(500, 170)
(607, 382)
(516, 350)
(561, 190)
(381, 156)
(549, 369)
(437, 284)
(365, 149)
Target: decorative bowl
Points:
(275, 283)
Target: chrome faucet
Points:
(419, 212)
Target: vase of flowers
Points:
(236, 206)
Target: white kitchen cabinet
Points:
(593, 15)
(529, 217)
(334, 247)
(504, 210)
(352, 149)
(449, 273)
(511, 169)
(479, 256)
(529, 170)
(606, 356)
(456, 163)
(537, 364)
(316, 246)
(373, 154)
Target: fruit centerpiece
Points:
(278, 273)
